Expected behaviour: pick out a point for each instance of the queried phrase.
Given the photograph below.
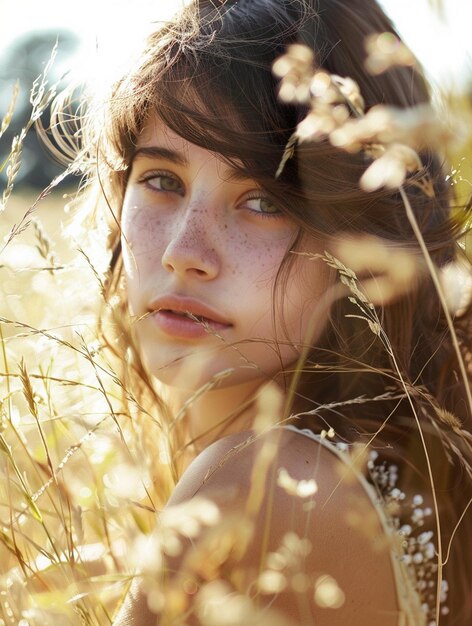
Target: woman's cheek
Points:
(138, 243)
(270, 258)
(143, 233)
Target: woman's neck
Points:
(208, 415)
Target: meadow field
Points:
(77, 505)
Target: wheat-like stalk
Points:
(7, 118)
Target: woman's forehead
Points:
(157, 140)
(156, 132)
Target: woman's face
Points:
(202, 248)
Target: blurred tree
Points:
(23, 61)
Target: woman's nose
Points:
(191, 250)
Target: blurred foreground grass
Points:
(60, 447)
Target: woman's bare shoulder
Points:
(233, 459)
(288, 485)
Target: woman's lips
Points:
(186, 318)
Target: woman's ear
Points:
(383, 270)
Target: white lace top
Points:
(414, 558)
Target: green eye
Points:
(262, 205)
(267, 206)
(168, 183)
(160, 181)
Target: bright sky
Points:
(112, 25)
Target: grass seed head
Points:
(328, 594)
(384, 51)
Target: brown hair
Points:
(228, 49)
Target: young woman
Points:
(285, 326)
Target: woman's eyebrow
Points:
(158, 152)
(237, 176)
(174, 156)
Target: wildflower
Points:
(219, 605)
(391, 169)
(456, 281)
(392, 269)
(417, 127)
(316, 126)
(296, 546)
(390, 135)
(296, 69)
(300, 488)
(328, 594)
(271, 581)
(188, 518)
(351, 92)
(327, 433)
(385, 50)
(332, 97)
(377, 126)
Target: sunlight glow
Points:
(109, 29)
(442, 44)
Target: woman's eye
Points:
(262, 205)
(163, 182)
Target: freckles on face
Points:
(196, 232)
(147, 235)
(139, 230)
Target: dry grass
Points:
(58, 438)
(75, 490)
